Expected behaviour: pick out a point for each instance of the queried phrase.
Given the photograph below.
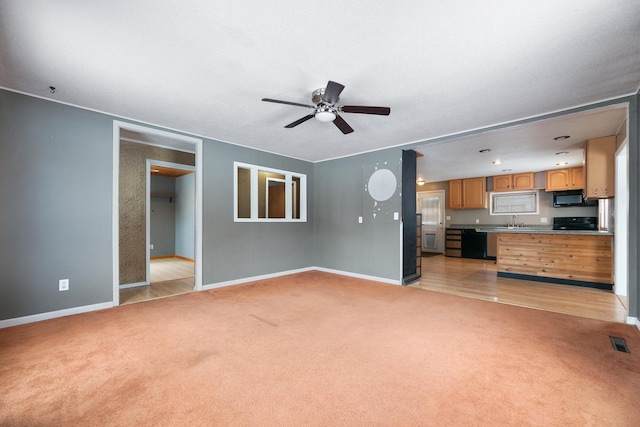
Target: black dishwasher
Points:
(474, 244)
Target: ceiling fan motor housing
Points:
(318, 96)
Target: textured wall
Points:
(133, 163)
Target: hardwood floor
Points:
(465, 277)
(169, 276)
(477, 279)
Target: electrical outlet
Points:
(543, 219)
(448, 218)
(63, 285)
(151, 246)
(477, 221)
(359, 220)
(396, 216)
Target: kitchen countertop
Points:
(527, 229)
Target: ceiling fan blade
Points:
(382, 111)
(332, 92)
(342, 125)
(277, 101)
(297, 122)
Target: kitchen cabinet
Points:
(455, 194)
(599, 163)
(453, 243)
(565, 179)
(513, 182)
(470, 193)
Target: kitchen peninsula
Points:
(574, 257)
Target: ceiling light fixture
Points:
(485, 150)
(561, 153)
(562, 137)
(325, 114)
(420, 182)
(562, 164)
(497, 162)
(507, 170)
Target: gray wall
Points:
(163, 216)
(234, 250)
(371, 248)
(55, 221)
(185, 216)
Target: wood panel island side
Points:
(573, 259)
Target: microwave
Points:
(563, 199)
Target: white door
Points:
(431, 205)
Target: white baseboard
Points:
(132, 285)
(633, 321)
(299, 270)
(53, 314)
(254, 278)
(358, 275)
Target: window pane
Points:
(244, 193)
(514, 203)
(431, 210)
(270, 195)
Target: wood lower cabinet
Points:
(470, 193)
(513, 182)
(566, 257)
(453, 243)
(599, 160)
(565, 179)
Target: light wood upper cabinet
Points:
(468, 193)
(474, 193)
(565, 179)
(455, 194)
(501, 183)
(513, 182)
(599, 162)
(577, 178)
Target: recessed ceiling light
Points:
(497, 162)
(561, 153)
(485, 150)
(560, 138)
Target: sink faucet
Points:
(513, 220)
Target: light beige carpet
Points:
(317, 349)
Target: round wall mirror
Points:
(382, 185)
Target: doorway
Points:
(137, 135)
(431, 205)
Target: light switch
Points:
(359, 220)
(396, 216)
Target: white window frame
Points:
(289, 196)
(494, 195)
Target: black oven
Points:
(575, 223)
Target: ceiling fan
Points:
(326, 110)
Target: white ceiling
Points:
(443, 67)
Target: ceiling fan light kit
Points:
(326, 110)
(325, 116)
